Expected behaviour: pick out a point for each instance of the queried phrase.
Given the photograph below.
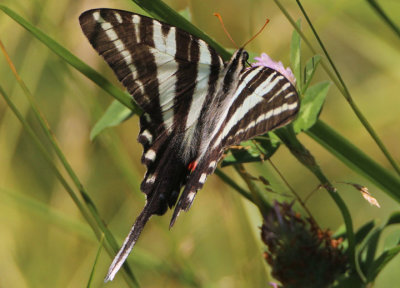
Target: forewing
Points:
(160, 65)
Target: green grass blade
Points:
(48, 158)
(87, 212)
(99, 223)
(355, 159)
(95, 262)
(339, 83)
(378, 9)
(382, 261)
(394, 218)
(74, 61)
(254, 151)
(349, 98)
(38, 209)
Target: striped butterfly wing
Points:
(195, 106)
(264, 100)
(168, 72)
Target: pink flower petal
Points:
(266, 61)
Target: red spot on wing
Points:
(192, 166)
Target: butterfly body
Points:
(194, 105)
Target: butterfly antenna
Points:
(226, 31)
(129, 242)
(258, 33)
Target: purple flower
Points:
(266, 61)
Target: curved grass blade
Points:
(382, 261)
(112, 247)
(89, 211)
(349, 98)
(40, 210)
(74, 61)
(95, 262)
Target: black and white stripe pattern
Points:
(194, 105)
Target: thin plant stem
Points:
(384, 16)
(349, 98)
(302, 203)
(262, 205)
(339, 82)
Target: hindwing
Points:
(263, 100)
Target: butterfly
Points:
(194, 104)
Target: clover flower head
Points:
(299, 252)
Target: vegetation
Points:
(52, 142)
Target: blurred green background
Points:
(44, 242)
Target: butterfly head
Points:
(233, 69)
(238, 61)
(245, 55)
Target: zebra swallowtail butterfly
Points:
(194, 105)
